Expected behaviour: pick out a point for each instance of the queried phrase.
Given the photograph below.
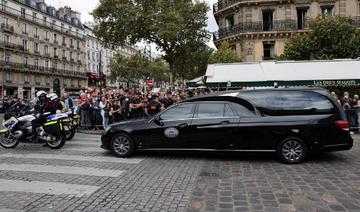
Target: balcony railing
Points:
(10, 45)
(356, 21)
(17, 13)
(221, 4)
(285, 25)
(21, 66)
(7, 28)
(282, 25)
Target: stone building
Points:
(258, 30)
(98, 58)
(41, 48)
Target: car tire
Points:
(122, 145)
(292, 150)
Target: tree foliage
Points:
(136, 67)
(169, 24)
(192, 60)
(331, 37)
(128, 68)
(224, 55)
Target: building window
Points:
(46, 48)
(71, 43)
(327, 10)
(301, 18)
(64, 40)
(53, 23)
(37, 47)
(64, 53)
(24, 29)
(55, 38)
(46, 35)
(93, 44)
(64, 66)
(26, 62)
(3, 4)
(93, 56)
(78, 44)
(34, 16)
(26, 78)
(47, 64)
(269, 50)
(230, 23)
(7, 59)
(37, 79)
(6, 39)
(37, 64)
(23, 13)
(78, 56)
(25, 45)
(44, 20)
(93, 70)
(268, 20)
(55, 52)
(8, 77)
(36, 33)
(71, 56)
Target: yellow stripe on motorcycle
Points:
(3, 130)
(61, 126)
(50, 123)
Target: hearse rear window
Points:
(289, 102)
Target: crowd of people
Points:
(346, 101)
(98, 110)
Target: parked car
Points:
(289, 122)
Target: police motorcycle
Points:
(20, 129)
(71, 122)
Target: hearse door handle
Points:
(225, 122)
(183, 125)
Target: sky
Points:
(86, 6)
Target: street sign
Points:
(150, 83)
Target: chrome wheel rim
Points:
(292, 150)
(55, 141)
(7, 139)
(121, 145)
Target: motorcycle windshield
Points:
(56, 117)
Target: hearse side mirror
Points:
(158, 120)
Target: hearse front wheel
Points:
(292, 150)
(122, 145)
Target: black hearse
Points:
(290, 122)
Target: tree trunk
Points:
(171, 67)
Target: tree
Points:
(131, 69)
(224, 55)
(169, 24)
(159, 70)
(331, 37)
(192, 60)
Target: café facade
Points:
(313, 73)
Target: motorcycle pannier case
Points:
(53, 127)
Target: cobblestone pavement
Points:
(83, 177)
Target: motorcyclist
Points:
(56, 103)
(42, 106)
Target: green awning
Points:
(316, 83)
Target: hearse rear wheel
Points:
(292, 150)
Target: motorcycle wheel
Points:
(70, 133)
(7, 140)
(57, 141)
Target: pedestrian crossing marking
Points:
(61, 170)
(52, 188)
(110, 159)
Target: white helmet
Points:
(53, 96)
(39, 93)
